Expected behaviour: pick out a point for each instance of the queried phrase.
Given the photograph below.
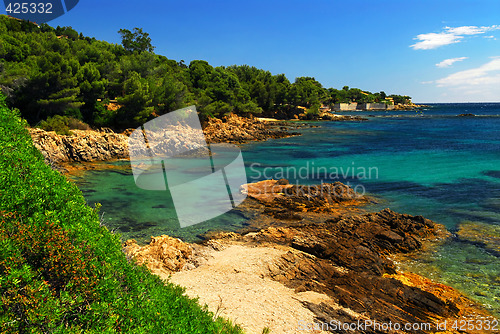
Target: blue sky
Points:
(434, 51)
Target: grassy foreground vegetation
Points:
(61, 271)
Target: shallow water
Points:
(430, 163)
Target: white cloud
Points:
(433, 40)
(469, 30)
(449, 36)
(451, 61)
(477, 84)
(485, 75)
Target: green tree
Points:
(51, 90)
(137, 40)
(92, 87)
(200, 72)
(136, 102)
(306, 92)
(356, 95)
(45, 75)
(172, 95)
(67, 31)
(403, 99)
(282, 88)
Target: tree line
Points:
(47, 72)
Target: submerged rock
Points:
(482, 234)
(345, 259)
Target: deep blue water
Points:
(430, 163)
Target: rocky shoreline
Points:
(410, 106)
(238, 130)
(92, 145)
(333, 258)
(82, 146)
(104, 144)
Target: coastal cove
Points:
(431, 163)
(246, 175)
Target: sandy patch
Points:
(267, 119)
(241, 291)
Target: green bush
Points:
(102, 116)
(61, 271)
(63, 124)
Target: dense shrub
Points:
(63, 124)
(41, 264)
(61, 271)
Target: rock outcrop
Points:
(327, 116)
(360, 243)
(162, 252)
(283, 200)
(343, 255)
(236, 129)
(410, 106)
(90, 145)
(345, 259)
(83, 145)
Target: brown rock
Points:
(343, 258)
(83, 145)
(236, 129)
(90, 145)
(283, 200)
(346, 259)
(163, 252)
(328, 116)
(358, 242)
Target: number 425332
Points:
(29, 7)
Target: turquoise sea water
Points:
(431, 163)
